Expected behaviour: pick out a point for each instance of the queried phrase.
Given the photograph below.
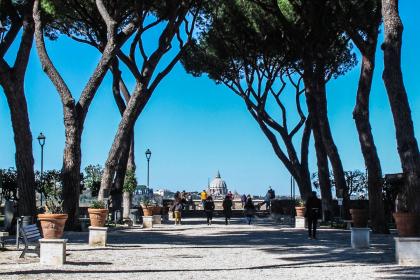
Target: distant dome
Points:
(218, 186)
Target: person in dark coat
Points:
(312, 214)
(249, 209)
(209, 208)
(227, 209)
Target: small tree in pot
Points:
(300, 208)
(53, 220)
(97, 214)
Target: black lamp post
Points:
(148, 155)
(41, 140)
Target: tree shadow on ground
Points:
(399, 272)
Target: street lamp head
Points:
(41, 139)
(148, 154)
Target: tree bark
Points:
(392, 75)
(127, 196)
(323, 176)
(317, 106)
(12, 81)
(367, 144)
(70, 172)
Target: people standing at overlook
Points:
(209, 208)
(227, 209)
(177, 209)
(203, 197)
(243, 200)
(249, 209)
(312, 214)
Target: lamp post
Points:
(148, 155)
(41, 140)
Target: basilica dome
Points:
(218, 186)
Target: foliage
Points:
(299, 203)
(92, 178)
(8, 183)
(50, 187)
(97, 204)
(356, 183)
(130, 181)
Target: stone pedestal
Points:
(52, 251)
(98, 236)
(157, 219)
(360, 238)
(300, 222)
(407, 251)
(147, 221)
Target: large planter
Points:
(52, 225)
(97, 217)
(359, 218)
(407, 224)
(147, 211)
(300, 211)
(156, 210)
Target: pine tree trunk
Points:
(406, 142)
(23, 142)
(323, 177)
(71, 171)
(317, 106)
(127, 197)
(370, 155)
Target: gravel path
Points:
(195, 250)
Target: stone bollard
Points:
(300, 222)
(147, 221)
(52, 251)
(360, 238)
(157, 219)
(98, 236)
(407, 251)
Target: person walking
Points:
(209, 208)
(312, 214)
(227, 209)
(243, 200)
(203, 197)
(249, 209)
(267, 201)
(177, 209)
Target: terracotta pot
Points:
(300, 211)
(147, 211)
(97, 217)
(359, 218)
(156, 210)
(52, 225)
(407, 224)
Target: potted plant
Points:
(300, 208)
(97, 214)
(53, 220)
(147, 206)
(407, 223)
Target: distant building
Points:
(218, 186)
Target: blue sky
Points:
(195, 127)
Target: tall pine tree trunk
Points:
(23, 142)
(12, 80)
(323, 176)
(367, 144)
(127, 196)
(406, 142)
(317, 106)
(70, 172)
